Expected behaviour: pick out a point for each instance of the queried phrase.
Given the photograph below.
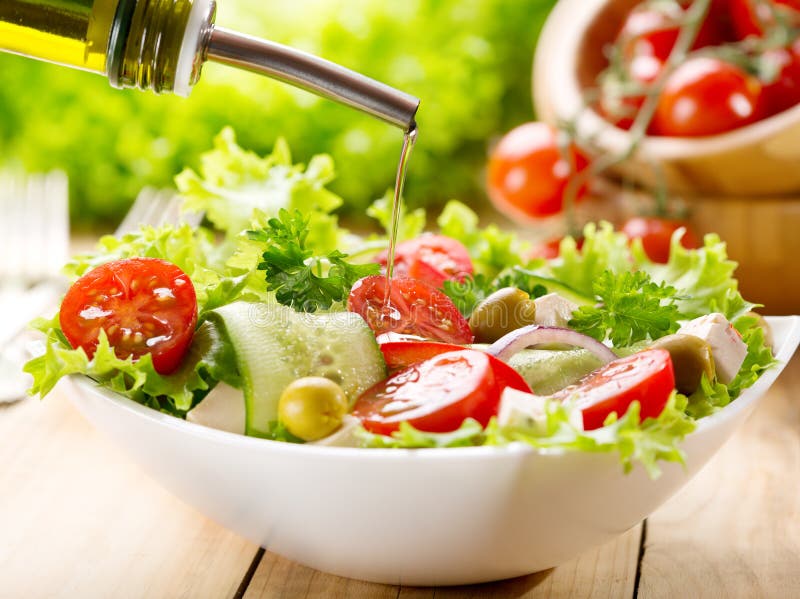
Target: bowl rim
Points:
(748, 397)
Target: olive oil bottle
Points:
(161, 45)
(148, 44)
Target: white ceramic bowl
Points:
(416, 517)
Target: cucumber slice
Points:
(274, 345)
(548, 371)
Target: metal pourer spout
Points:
(313, 74)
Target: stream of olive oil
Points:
(409, 139)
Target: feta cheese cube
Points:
(342, 436)
(222, 409)
(552, 310)
(526, 410)
(727, 347)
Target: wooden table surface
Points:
(78, 519)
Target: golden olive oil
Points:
(69, 32)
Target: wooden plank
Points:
(78, 519)
(607, 572)
(735, 530)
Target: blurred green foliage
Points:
(468, 60)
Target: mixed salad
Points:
(274, 321)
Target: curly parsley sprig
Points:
(632, 308)
(299, 278)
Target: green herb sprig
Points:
(632, 308)
(299, 279)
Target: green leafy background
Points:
(468, 60)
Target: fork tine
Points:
(57, 192)
(34, 227)
(136, 213)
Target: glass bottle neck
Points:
(158, 45)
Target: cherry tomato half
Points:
(656, 235)
(402, 354)
(414, 308)
(646, 377)
(437, 394)
(706, 96)
(431, 258)
(528, 174)
(144, 305)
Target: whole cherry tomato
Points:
(431, 258)
(757, 17)
(656, 235)
(783, 91)
(706, 96)
(528, 171)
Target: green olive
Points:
(762, 322)
(312, 407)
(691, 359)
(505, 310)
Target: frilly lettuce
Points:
(210, 359)
(234, 185)
(703, 277)
(491, 248)
(411, 223)
(648, 442)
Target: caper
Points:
(505, 310)
(312, 407)
(691, 359)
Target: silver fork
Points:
(34, 243)
(151, 207)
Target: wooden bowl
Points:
(762, 159)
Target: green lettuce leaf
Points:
(412, 223)
(233, 184)
(647, 442)
(603, 250)
(703, 277)
(491, 248)
(210, 359)
(470, 433)
(192, 249)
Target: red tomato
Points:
(144, 305)
(646, 377)
(706, 96)
(650, 31)
(551, 248)
(402, 354)
(431, 258)
(528, 175)
(414, 308)
(619, 110)
(784, 92)
(436, 395)
(656, 234)
(758, 17)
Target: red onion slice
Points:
(535, 334)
